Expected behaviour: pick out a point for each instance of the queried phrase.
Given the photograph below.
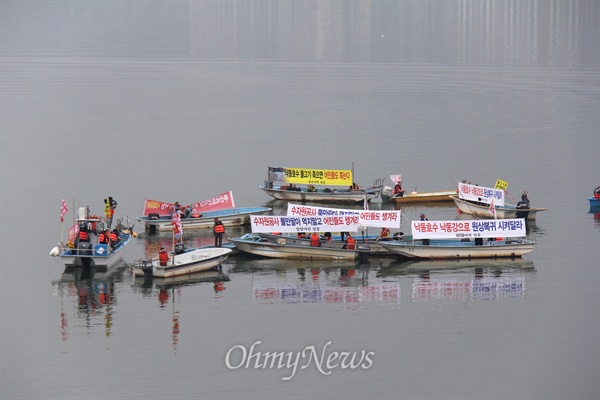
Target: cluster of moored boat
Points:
(497, 229)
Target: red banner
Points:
(158, 207)
(219, 202)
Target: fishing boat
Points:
(157, 214)
(482, 202)
(184, 263)
(507, 211)
(464, 239)
(90, 252)
(287, 247)
(442, 196)
(323, 186)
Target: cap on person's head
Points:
(162, 248)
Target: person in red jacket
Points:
(163, 257)
(219, 231)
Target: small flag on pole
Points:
(492, 208)
(64, 209)
(176, 224)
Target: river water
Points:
(184, 100)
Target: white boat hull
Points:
(101, 259)
(282, 249)
(339, 197)
(186, 263)
(469, 208)
(445, 249)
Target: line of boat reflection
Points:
(94, 294)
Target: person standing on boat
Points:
(218, 230)
(315, 241)
(349, 243)
(385, 234)
(163, 257)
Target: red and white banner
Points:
(396, 178)
(219, 202)
(469, 229)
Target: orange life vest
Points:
(113, 237)
(102, 239)
(163, 257)
(84, 236)
(219, 228)
(350, 242)
(314, 240)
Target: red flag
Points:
(63, 210)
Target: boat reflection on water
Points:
(596, 212)
(285, 281)
(463, 280)
(170, 290)
(93, 294)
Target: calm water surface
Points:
(182, 101)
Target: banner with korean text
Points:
(311, 176)
(157, 207)
(366, 218)
(272, 223)
(219, 202)
(480, 194)
(468, 229)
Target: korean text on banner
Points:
(514, 227)
(272, 223)
(311, 176)
(500, 184)
(219, 202)
(366, 218)
(157, 207)
(480, 194)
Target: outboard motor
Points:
(522, 205)
(85, 249)
(179, 248)
(147, 268)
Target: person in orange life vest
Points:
(218, 230)
(327, 236)
(103, 237)
(301, 235)
(385, 234)
(114, 238)
(315, 241)
(163, 257)
(349, 243)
